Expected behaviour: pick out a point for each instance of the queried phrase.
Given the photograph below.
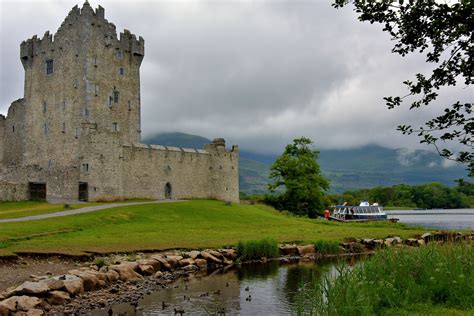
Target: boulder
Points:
(421, 242)
(127, 272)
(388, 242)
(112, 276)
(53, 284)
(378, 243)
(210, 258)
(33, 312)
(230, 254)
(201, 263)
(216, 254)
(186, 262)
(397, 240)
(164, 265)
(304, 250)
(412, 242)
(193, 254)
(173, 260)
(190, 268)
(146, 269)
(150, 262)
(20, 303)
(427, 237)
(32, 288)
(58, 297)
(158, 274)
(3, 310)
(289, 250)
(90, 280)
(73, 284)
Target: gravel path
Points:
(80, 211)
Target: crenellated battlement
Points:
(77, 18)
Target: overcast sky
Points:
(257, 73)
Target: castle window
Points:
(86, 112)
(96, 89)
(129, 105)
(119, 54)
(116, 96)
(76, 83)
(64, 128)
(111, 99)
(45, 107)
(64, 106)
(85, 167)
(45, 129)
(115, 127)
(78, 132)
(13, 128)
(49, 67)
(121, 71)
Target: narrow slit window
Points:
(115, 127)
(64, 128)
(13, 128)
(85, 167)
(78, 132)
(49, 67)
(119, 54)
(45, 129)
(116, 96)
(45, 107)
(111, 99)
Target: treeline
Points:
(431, 195)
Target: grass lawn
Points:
(192, 224)
(30, 208)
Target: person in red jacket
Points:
(326, 214)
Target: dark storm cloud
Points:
(257, 73)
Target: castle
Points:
(75, 135)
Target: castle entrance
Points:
(37, 191)
(168, 191)
(83, 191)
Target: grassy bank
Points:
(432, 280)
(192, 224)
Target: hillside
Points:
(363, 167)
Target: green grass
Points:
(430, 280)
(191, 224)
(327, 246)
(256, 249)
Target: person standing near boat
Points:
(326, 214)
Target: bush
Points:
(256, 249)
(99, 262)
(441, 276)
(327, 246)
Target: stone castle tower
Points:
(76, 132)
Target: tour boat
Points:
(363, 212)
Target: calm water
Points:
(457, 219)
(273, 288)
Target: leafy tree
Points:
(297, 172)
(443, 31)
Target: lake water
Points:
(456, 219)
(251, 289)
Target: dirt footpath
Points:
(14, 272)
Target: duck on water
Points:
(362, 213)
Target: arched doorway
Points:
(168, 191)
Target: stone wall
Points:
(13, 191)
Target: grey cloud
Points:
(257, 73)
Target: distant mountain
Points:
(347, 169)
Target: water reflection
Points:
(253, 289)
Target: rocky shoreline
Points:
(117, 279)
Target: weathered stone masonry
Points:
(76, 132)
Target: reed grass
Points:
(327, 247)
(436, 277)
(256, 249)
